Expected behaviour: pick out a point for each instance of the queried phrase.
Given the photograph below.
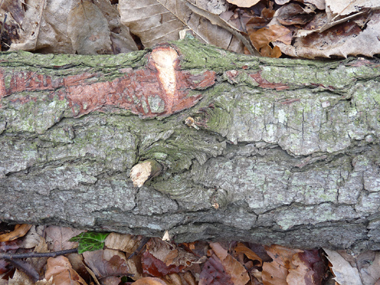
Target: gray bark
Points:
(289, 155)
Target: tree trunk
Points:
(244, 148)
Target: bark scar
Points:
(165, 60)
(158, 89)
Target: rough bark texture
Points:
(280, 151)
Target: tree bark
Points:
(263, 150)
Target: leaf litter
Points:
(165, 262)
(312, 29)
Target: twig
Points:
(25, 267)
(10, 256)
(142, 243)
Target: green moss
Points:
(34, 62)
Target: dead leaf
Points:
(282, 2)
(59, 268)
(43, 282)
(258, 22)
(19, 231)
(39, 263)
(244, 3)
(262, 37)
(213, 273)
(20, 278)
(88, 29)
(156, 267)
(105, 263)
(369, 266)
(219, 22)
(343, 271)
(149, 281)
(123, 242)
(61, 26)
(128, 244)
(320, 4)
(151, 21)
(13, 7)
(232, 267)
(112, 280)
(344, 7)
(50, 16)
(121, 39)
(58, 237)
(274, 274)
(346, 39)
(241, 248)
(170, 254)
(308, 268)
(293, 14)
(276, 271)
(33, 237)
(182, 278)
(161, 21)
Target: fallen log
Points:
(242, 148)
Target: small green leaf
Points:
(90, 241)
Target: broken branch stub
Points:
(144, 171)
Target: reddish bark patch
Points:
(266, 84)
(159, 89)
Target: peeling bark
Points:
(256, 149)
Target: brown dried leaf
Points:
(105, 263)
(58, 237)
(123, 242)
(276, 271)
(42, 282)
(162, 20)
(282, 254)
(320, 4)
(232, 267)
(259, 22)
(61, 26)
(52, 16)
(308, 268)
(156, 267)
(213, 273)
(39, 263)
(112, 280)
(170, 254)
(274, 274)
(244, 3)
(343, 271)
(369, 266)
(261, 39)
(149, 281)
(20, 278)
(151, 21)
(14, 8)
(19, 231)
(241, 248)
(282, 2)
(33, 237)
(293, 14)
(344, 7)
(342, 40)
(88, 29)
(185, 278)
(59, 268)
